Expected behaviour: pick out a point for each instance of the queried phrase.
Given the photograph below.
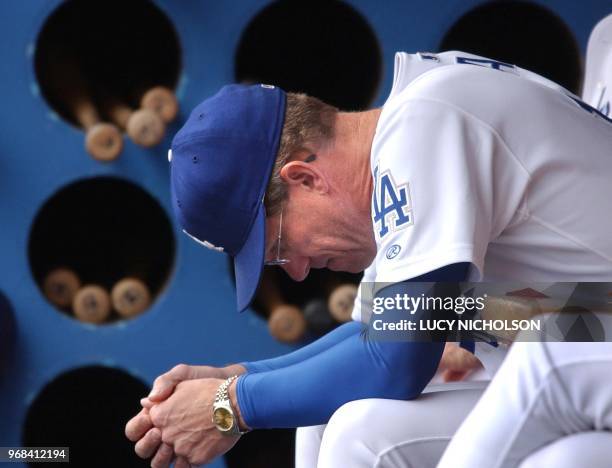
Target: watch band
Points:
(223, 390)
(222, 400)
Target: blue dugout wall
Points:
(192, 318)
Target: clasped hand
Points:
(175, 422)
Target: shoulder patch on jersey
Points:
(391, 205)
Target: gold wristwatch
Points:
(224, 418)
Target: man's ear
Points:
(304, 175)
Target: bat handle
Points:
(118, 112)
(85, 111)
(103, 141)
(143, 126)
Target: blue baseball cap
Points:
(220, 164)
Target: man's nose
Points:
(298, 268)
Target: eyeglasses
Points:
(278, 260)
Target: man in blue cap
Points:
(440, 185)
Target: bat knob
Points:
(91, 304)
(287, 324)
(162, 101)
(104, 141)
(145, 128)
(130, 297)
(341, 302)
(60, 286)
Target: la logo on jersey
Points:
(390, 204)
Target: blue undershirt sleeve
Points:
(307, 392)
(316, 347)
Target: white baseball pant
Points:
(550, 404)
(389, 433)
(548, 401)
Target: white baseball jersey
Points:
(478, 161)
(598, 74)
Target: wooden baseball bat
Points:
(60, 286)
(162, 101)
(143, 126)
(103, 141)
(509, 308)
(92, 304)
(130, 297)
(341, 302)
(285, 322)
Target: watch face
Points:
(224, 420)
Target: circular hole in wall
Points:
(86, 409)
(103, 230)
(522, 33)
(322, 48)
(98, 56)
